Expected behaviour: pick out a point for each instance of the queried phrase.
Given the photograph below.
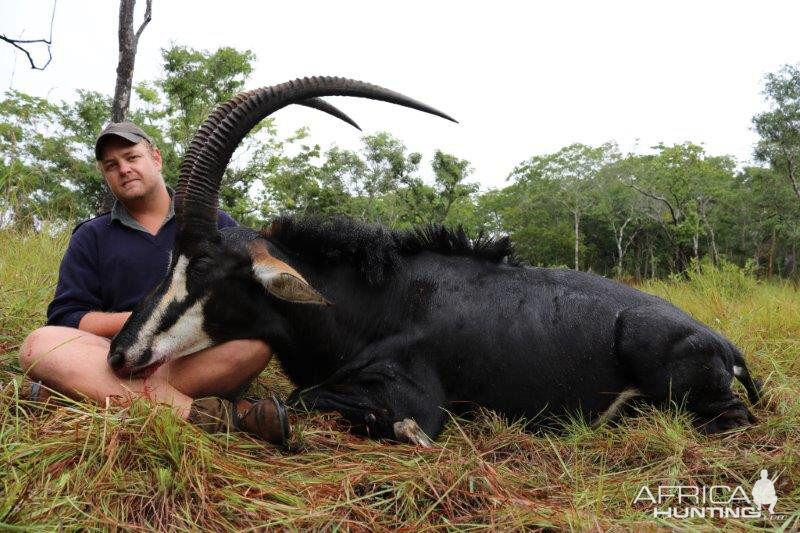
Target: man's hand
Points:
(103, 324)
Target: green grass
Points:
(81, 467)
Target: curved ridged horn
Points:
(213, 120)
(214, 144)
(325, 107)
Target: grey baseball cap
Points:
(127, 130)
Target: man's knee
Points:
(32, 347)
(47, 339)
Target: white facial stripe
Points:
(184, 337)
(177, 289)
(175, 293)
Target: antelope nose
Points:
(116, 359)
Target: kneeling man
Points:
(111, 263)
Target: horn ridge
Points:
(199, 139)
(216, 116)
(223, 132)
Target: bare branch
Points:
(148, 12)
(17, 42)
(790, 167)
(663, 227)
(633, 236)
(659, 198)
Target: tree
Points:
(682, 185)
(573, 169)
(779, 128)
(51, 146)
(762, 221)
(530, 212)
(619, 206)
(297, 185)
(387, 166)
(195, 82)
(27, 190)
(426, 204)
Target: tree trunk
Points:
(792, 177)
(677, 264)
(368, 209)
(577, 236)
(619, 236)
(771, 253)
(757, 254)
(714, 251)
(710, 229)
(128, 42)
(638, 271)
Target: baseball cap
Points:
(127, 130)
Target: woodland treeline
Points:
(673, 208)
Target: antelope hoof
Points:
(407, 430)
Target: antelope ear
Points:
(281, 280)
(289, 287)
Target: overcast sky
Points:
(523, 78)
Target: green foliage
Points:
(446, 200)
(380, 183)
(645, 215)
(297, 185)
(195, 82)
(780, 135)
(563, 184)
(683, 186)
(47, 157)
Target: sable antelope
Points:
(392, 328)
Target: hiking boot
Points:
(265, 419)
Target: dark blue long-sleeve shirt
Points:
(111, 263)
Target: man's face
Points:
(133, 171)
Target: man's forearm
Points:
(103, 324)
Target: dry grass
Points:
(80, 467)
